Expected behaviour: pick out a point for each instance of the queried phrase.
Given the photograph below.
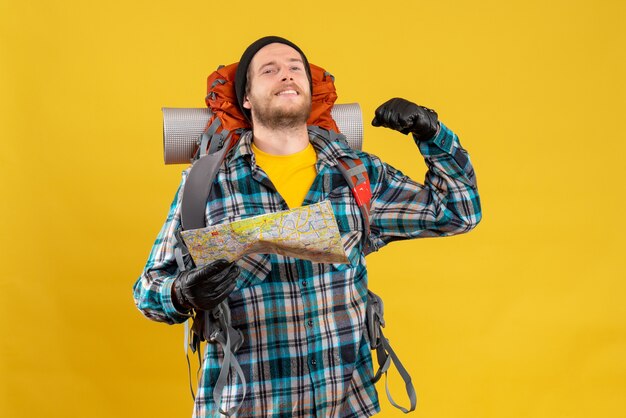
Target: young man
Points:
(305, 352)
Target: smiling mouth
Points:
(287, 92)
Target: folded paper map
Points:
(308, 232)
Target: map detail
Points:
(307, 232)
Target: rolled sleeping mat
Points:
(183, 126)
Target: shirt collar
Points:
(329, 146)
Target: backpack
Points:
(225, 125)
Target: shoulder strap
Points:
(198, 187)
(214, 326)
(354, 172)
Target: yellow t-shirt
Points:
(292, 175)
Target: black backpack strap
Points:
(214, 326)
(198, 187)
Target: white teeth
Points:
(287, 92)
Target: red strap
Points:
(355, 174)
(363, 192)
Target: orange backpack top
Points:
(222, 101)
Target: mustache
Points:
(289, 86)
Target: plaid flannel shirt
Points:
(305, 351)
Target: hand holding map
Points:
(307, 232)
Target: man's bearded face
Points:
(278, 90)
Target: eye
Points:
(267, 70)
(296, 68)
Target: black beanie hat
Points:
(241, 76)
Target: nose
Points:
(285, 74)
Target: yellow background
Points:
(523, 317)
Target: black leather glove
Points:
(205, 287)
(404, 116)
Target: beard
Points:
(280, 117)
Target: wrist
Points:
(178, 299)
(436, 132)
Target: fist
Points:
(205, 287)
(404, 116)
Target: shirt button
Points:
(304, 283)
(310, 322)
(314, 362)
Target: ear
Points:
(246, 103)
